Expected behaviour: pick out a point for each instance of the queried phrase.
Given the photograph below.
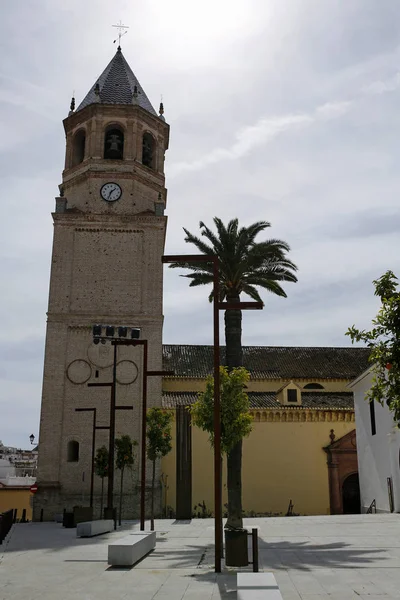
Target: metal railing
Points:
(6, 521)
(372, 507)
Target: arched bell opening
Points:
(114, 143)
(78, 148)
(148, 151)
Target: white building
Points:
(378, 450)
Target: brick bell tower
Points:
(109, 235)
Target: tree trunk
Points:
(152, 496)
(234, 358)
(120, 495)
(233, 335)
(102, 496)
(234, 480)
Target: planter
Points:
(236, 552)
(111, 513)
(83, 514)
(68, 520)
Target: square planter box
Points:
(68, 520)
(83, 514)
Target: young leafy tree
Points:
(236, 420)
(244, 265)
(159, 444)
(101, 470)
(124, 458)
(384, 341)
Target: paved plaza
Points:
(313, 558)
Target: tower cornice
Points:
(115, 111)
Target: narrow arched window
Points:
(73, 451)
(148, 150)
(114, 144)
(313, 386)
(78, 148)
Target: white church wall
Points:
(378, 454)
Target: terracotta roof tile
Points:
(272, 362)
(261, 400)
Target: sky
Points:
(280, 110)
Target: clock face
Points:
(111, 192)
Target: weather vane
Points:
(121, 32)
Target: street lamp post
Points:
(33, 443)
(217, 306)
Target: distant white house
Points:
(378, 450)
(7, 469)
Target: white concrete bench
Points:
(91, 528)
(257, 586)
(128, 550)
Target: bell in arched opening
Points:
(148, 150)
(114, 144)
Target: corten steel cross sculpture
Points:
(95, 428)
(217, 306)
(146, 373)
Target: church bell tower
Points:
(109, 235)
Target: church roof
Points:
(271, 362)
(116, 85)
(262, 400)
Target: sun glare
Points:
(192, 32)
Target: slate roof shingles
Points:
(271, 362)
(116, 86)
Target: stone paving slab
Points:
(350, 557)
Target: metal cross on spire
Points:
(121, 32)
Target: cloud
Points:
(261, 133)
(367, 224)
(382, 87)
(266, 129)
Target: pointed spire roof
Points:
(117, 85)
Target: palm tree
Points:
(244, 265)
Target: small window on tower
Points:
(114, 144)
(292, 395)
(78, 148)
(148, 150)
(73, 451)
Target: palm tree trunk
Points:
(233, 335)
(120, 495)
(102, 496)
(152, 496)
(234, 477)
(234, 358)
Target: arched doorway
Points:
(351, 495)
